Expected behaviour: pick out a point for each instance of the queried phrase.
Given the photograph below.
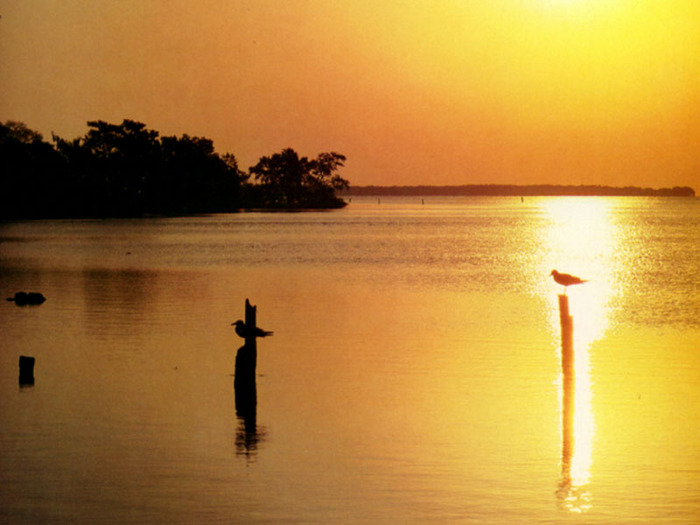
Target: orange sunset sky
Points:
(413, 92)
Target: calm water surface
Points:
(414, 375)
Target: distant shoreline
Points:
(512, 190)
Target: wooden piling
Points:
(569, 381)
(567, 337)
(251, 346)
(244, 381)
(250, 314)
(244, 386)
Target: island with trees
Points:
(128, 170)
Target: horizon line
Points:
(518, 190)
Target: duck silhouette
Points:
(243, 330)
(566, 279)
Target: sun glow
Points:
(576, 6)
(581, 240)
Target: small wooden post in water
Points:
(567, 365)
(246, 359)
(250, 314)
(567, 337)
(251, 345)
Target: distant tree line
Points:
(519, 190)
(128, 170)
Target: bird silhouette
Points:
(566, 279)
(243, 330)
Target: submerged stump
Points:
(26, 370)
(27, 298)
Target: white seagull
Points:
(244, 330)
(566, 279)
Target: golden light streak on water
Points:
(581, 239)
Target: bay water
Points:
(414, 374)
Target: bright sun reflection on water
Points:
(581, 240)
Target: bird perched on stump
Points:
(566, 279)
(243, 330)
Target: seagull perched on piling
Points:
(566, 279)
(243, 330)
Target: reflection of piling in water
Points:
(246, 396)
(568, 396)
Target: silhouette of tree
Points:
(30, 173)
(195, 179)
(129, 170)
(126, 170)
(322, 182)
(124, 157)
(281, 176)
(290, 181)
(20, 132)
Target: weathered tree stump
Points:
(244, 386)
(246, 357)
(26, 370)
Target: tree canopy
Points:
(129, 170)
(290, 181)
